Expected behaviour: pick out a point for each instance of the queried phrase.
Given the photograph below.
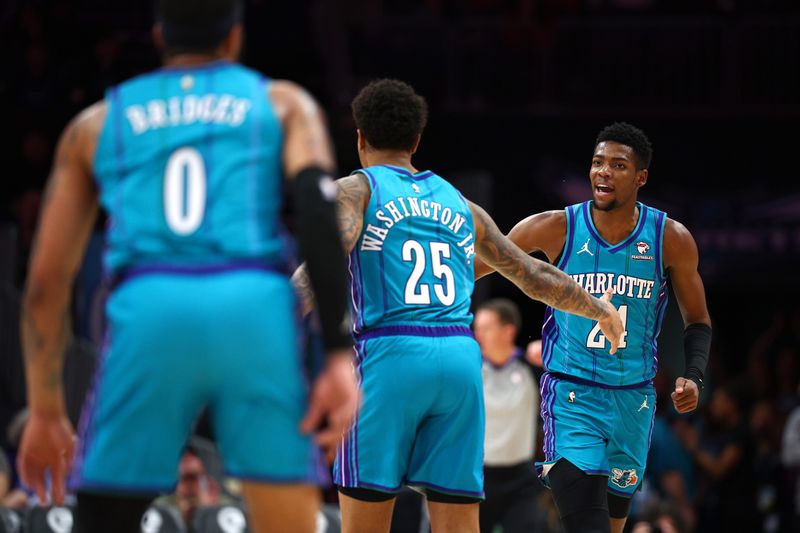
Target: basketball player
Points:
(188, 161)
(598, 410)
(412, 240)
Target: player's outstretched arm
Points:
(542, 281)
(681, 261)
(543, 232)
(352, 196)
(69, 208)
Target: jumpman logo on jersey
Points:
(644, 405)
(586, 248)
(416, 188)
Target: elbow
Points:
(43, 290)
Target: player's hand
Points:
(611, 326)
(47, 445)
(334, 399)
(685, 396)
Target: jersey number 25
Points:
(420, 293)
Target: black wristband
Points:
(693, 374)
(696, 347)
(321, 248)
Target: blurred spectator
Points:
(511, 396)
(661, 518)
(765, 426)
(197, 487)
(790, 457)
(670, 477)
(13, 498)
(724, 455)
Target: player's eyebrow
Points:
(616, 158)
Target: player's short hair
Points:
(629, 135)
(507, 311)
(197, 25)
(390, 114)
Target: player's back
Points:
(574, 345)
(189, 169)
(412, 265)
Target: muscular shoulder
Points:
(80, 136)
(354, 189)
(545, 232)
(679, 245)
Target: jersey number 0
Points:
(185, 191)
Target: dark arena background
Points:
(517, 91)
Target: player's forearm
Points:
(302, 286)
(544, 282)
(45, 332)
(481, 269)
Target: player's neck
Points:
(395, 158)
(191, 59)
(616, 224)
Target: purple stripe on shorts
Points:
(416, 331)
(619, 492)
(359, 370)
(85, 433)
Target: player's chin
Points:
(604, 202)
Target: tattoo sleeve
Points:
(351, 200)
(539, 280)
(69, 208)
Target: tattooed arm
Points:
(541, 281)
(68, 214)
(352, 196)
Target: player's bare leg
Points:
(365, 517)
(453, 517)
(617, 524)
(282, 508)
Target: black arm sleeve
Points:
(696, 347)
(321, 248)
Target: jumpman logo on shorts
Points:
(644, 405)
(586, 248)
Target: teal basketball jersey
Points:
(575, 346)
(412, 266)
(188, 165)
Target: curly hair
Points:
(390, 114)
(629, 135)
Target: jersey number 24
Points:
(596, 339)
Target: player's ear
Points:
(416, 144)
(361, 142)
(232, 45)
(641, 177)
(158, 35)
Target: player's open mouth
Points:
(603, 189)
